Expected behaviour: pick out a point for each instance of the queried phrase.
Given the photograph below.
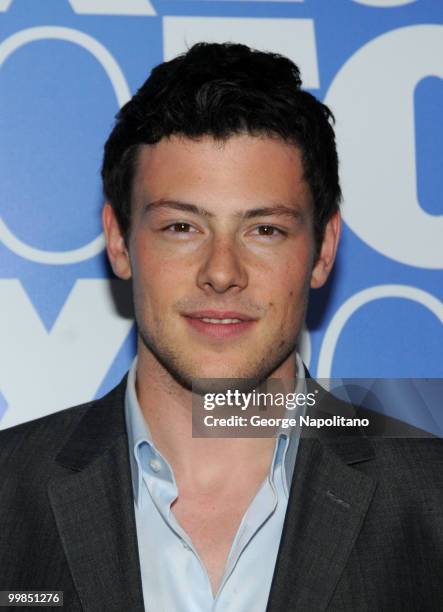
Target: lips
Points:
(219, 315)
(220, 324)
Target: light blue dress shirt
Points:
(174, 578)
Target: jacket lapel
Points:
(93, 508)
(328, 501)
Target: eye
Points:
(179, 228)
(269, 231)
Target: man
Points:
(222, 208)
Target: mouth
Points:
(220, 324)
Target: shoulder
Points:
(40, 438)
(408, 454)
(410, 462)
(35, 444)
(400, 457)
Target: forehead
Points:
(240, 170)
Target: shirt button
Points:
(155, 464)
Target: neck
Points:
(201, 463)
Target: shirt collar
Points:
(139, 433)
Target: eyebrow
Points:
(265, 211)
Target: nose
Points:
(222, 269)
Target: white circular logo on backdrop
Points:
(121, 89)
(372, 97)
(348, 308)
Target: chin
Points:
(221, 384)
(220, 370)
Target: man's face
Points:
(221, 254)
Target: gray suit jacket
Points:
(363, 529)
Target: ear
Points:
(115, 244)
(328, 250)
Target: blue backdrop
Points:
(67, 66)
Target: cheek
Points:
(147, 277)
(156, 282)
(288, 296)
(146, 258)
